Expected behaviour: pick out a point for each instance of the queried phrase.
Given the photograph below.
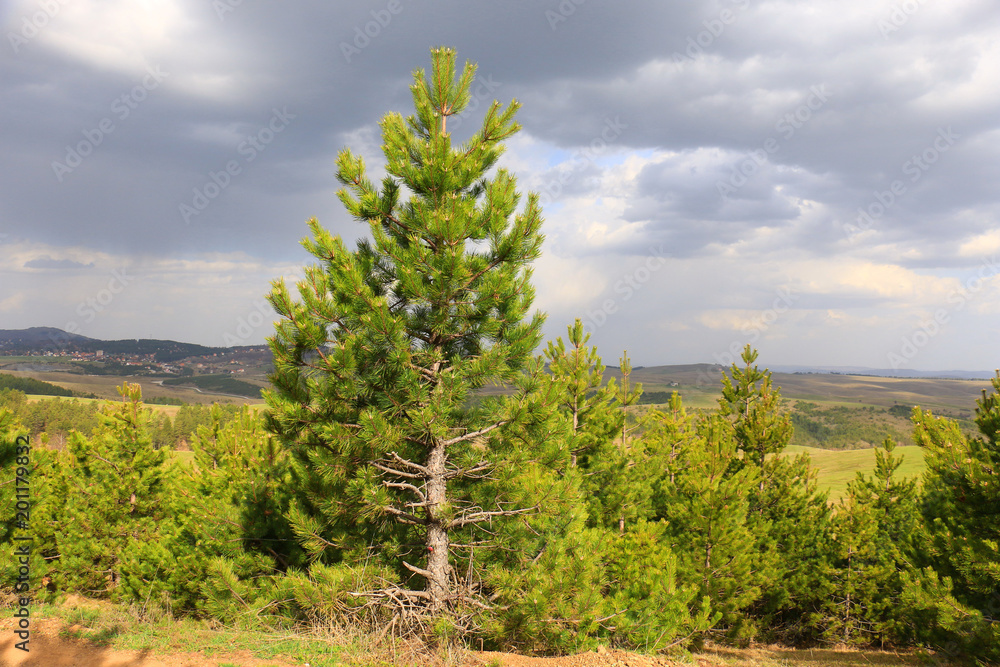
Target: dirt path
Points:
(48, 649)
(591, 659)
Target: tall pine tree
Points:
(376, 362)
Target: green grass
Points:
(836, 468)
(5, 360)
(184, 456)
(218, 383)
(129, 629)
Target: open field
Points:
(700, 385)
(105, 386)
(170, 410)
(836, 468)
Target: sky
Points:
(816, 179)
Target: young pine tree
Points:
(569, 578)
(961, 494)
(752, 407)
(598, 439)
(873, 536)
(376, 362)
(10, 430)
(228, 504)
(626, 481)
(787, 515)
(113, 483)
(704, 503)
(579, 375)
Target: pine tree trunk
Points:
(847, 615)
(437, 531)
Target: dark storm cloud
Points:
(721, 74)
(46, 262)
(744, 132)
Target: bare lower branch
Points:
(416, 570)
(474, 434)
(391, 593)
(405, 517)
(478, 517)
(409, 464)
(398, 473)
(408, 487)
(464, 472)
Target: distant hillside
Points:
(885, 372)
(31, 386)
(48, 339)
(701, 384)
(39, 337)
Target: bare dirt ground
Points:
(49, 649)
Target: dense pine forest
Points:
(371, 492)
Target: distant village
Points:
(224, 363)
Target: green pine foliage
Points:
(539, 615)
(653, 611)
(961, 494)
(787, 515)
(571, 577)
(598, 441)
(10, 429)
(51, 419)
(703, 498)
(752, 408)
(578, 372)
(31, 386)
(621, 472)
(114, 486)
(376, 360)
(874, 536)
(228, 515)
